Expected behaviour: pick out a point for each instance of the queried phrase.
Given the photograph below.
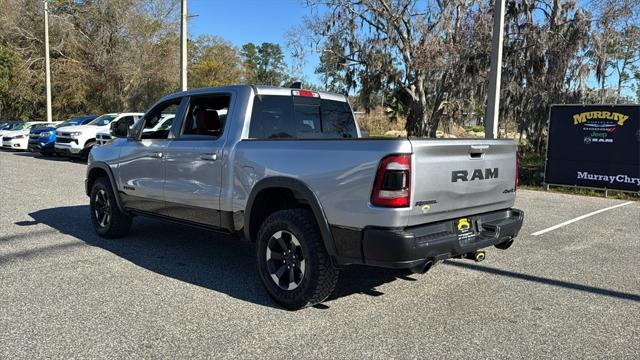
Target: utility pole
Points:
(183, 47)
(46, 60)
(493, 103)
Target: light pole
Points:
(46, 60)
(493, 103)
(183, 47)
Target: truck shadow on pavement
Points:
(546, 281)
(214, 261)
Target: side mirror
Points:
(120, 128)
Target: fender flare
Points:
(302, 190)
(103, 166)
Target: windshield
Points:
(12, 126)
(40, 126)
(102, 120)
(28, 126)
(71, 122)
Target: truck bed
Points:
(341, 175)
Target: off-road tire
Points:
(320, 276)
(119, 222)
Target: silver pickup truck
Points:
(287, 169)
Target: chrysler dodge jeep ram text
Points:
(287, 169)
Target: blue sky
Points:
(257, 21)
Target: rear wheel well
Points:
(270, 200)
(95, 174)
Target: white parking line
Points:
(580, 218)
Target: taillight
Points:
(392, 186)
(517, 170)
(305, 93)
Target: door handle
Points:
(157, 154)
(209, 157)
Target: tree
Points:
(542, 57)
(429, 60)
(409, 49)
(615, 52)
(106, 56)
(264, 64)
(332, 67)
(213, 62)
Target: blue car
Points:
(43, 139)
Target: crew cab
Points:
(19, 139)
(43, 139)
(77, 141)
(287, 169)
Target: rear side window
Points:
(207, 115)
(292, 117)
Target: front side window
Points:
(153, 122)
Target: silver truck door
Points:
(193, 162)
(141, 172)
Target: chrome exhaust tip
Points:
(422, 268)
(504, 245)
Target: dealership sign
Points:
(594, 146)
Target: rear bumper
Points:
(413, 246)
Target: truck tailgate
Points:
(458, 178)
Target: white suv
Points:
(18, 139)
(104, 137)
(78, 140)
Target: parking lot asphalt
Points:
(170, 291)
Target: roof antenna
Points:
(296, 85)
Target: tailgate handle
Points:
(477, 151)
